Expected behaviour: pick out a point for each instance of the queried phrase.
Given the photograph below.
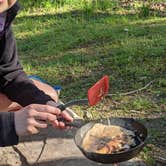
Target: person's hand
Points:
(64, 116)
(31, 118)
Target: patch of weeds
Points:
(144, 10)
(162, 82)
(160, 92)
(161, 97)
(141, 103)
(146, 155)
(157, 136)
(107, 4)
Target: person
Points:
(26, 105)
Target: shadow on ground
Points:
(80, 162)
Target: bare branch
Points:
(131, 92)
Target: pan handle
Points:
(77, 122)
(62, 107)
(77, 102)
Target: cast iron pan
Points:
(128, 123)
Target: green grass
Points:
(74, 48)
(80, 49)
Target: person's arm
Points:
(13, 80)
(27, 121)
(8, 134)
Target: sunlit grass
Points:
(105, 44)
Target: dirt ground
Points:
(50, 148)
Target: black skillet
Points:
(128, 123)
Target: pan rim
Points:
(140, 145)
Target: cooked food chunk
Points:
(107, 139)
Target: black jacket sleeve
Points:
(13, 80)
(8, 134)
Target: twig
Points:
(160, 159)
(131, 92)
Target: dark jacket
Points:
(14, 82)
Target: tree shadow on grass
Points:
(53, 47)
(79, 14)
(72, 30)
(67, 30)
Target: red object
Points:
(98, 90)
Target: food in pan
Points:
(108, 139)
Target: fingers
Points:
(52, 119)
(53, 109)
(31, 130)
(39, 124)
(66, 116)
(49, 114)
(58, 124)
(34, 126)
(28, 119)
(46, 108)
(45, 116)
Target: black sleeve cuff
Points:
(28, 92)
(8, 134)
